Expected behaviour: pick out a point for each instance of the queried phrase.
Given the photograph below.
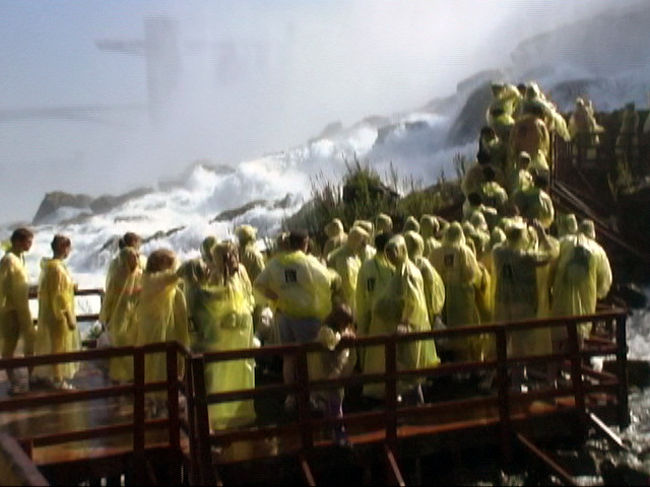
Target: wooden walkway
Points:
(101, 430)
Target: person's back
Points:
(458, 269)
(346, 261)
(535, 204)
(530, 134)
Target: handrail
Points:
(389, 419)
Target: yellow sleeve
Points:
(181, 323)
(361, 302)
(57, 283)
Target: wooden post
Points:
(174, 467)
(390, 359)
(302, 400)
(621, 361)
(139, 459)
(195, 477)
(576, 375)
(207, 471)
(504, 398)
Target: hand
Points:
(402, 328)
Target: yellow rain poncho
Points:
(535, 204)
(249, 255)
(429, 227)
(374, 276)
(161, 316)
(582, 277)
(475, 177)
(15, 317)
(230, 306)
(336, 236)
(123, 294)
(434, 288)
(457, 265)
(384, 223)
(302, 284)
(57, 323)
(516, 294)
(411, 225)
(402, 308)
(346, 261)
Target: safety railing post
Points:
(174, 473)
(621, 361)
(302, 400)
(390, 356)
(194, 474)
(207, 471)
(504, 398)
(576, 374)
(139, 459)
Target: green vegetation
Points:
(363, 194)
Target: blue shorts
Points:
(300, 330)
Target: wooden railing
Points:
(393, 414)
(389, 421)
(137, 390)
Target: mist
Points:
(84, 109)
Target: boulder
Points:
(467, 125)
(106, 203)
(59, 199)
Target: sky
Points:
(78, 104)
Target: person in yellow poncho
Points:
(346, 261)
(434, 288)
(229, 302)
(161, 316)
(516, 292)
(301, 289)
(15, 317)
(402, 308)
(195, 273)
(336, 237)
(57, 321)
(374, 276)
(383, 223)
(582, 277)
(125, 290)
(457, 265)
(429, 227)
(534, 203)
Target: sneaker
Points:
(63, 386)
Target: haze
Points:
(80, 112)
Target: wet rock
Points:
(162, 234)
(59, 199)
(239, 211)
(638, 371)
(622, 474)
(106, 203)
(471, 118)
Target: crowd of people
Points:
(509, 258)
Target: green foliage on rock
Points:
(363, 194)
